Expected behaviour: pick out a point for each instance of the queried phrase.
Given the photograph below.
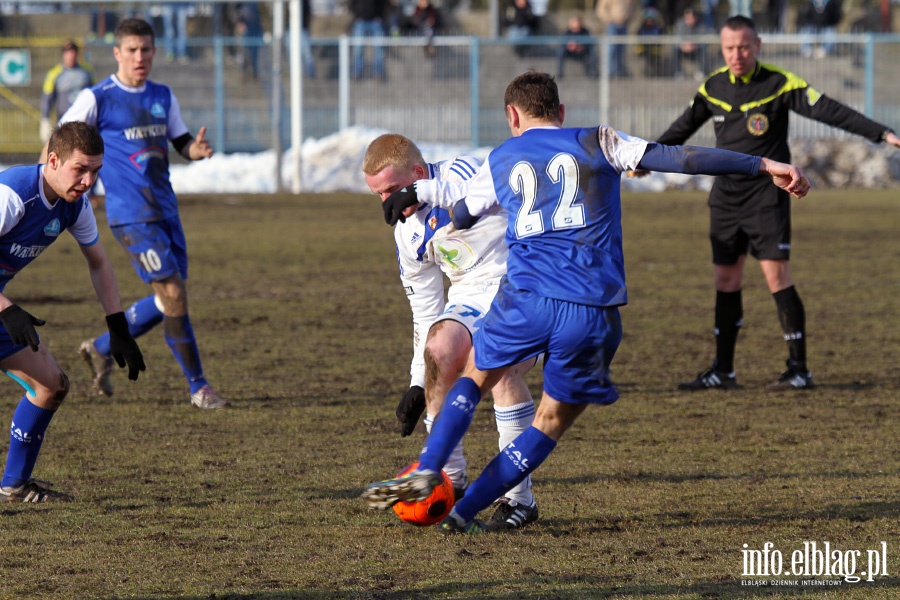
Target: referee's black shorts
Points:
(753, 215)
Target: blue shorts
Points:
(7, 347)
(157, 250)
(578, 342)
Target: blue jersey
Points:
(136, 125)
(29, 223)
(561, 190)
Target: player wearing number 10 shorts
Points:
(137, 119)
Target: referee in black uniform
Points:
(749, 103)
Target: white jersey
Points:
(429, 247)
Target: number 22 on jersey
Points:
(567, 214)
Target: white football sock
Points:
(512, 421)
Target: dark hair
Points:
(75, 136)
(133, 26)
(534, 93)
(738, 22)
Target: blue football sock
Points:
(451, 424)
(142, 316)
(25, 437)
(180, 337)
(513, 464)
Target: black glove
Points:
(397, 202)
(122, 345)
(20, 326)
(411, 407)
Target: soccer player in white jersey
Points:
(565, 280)
(38, 203)
(137, 119)
(474, 261)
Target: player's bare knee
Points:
(52, 396)
(172, 295)
(439, 360)
(431, 370)
(174, 307)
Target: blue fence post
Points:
(474, 88)
(869, 84)
(219, 59)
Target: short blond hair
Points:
(392, 149)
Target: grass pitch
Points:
(303, 324)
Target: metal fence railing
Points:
(456, 94)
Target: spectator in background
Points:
(102, 24)
(521, 23)
(651, 25)
(306, 42)
(539, 8)
(427, 20)
(819, 17)
(710, 10)
(399, 16)
(688, 26)
(175, 16)
(743, 8)
(776, 10)
(368, 21)
(616, 15)
(579, 47)
(248, 28)
(61, 85)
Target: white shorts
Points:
(467, 305)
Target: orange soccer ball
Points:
(432, 509)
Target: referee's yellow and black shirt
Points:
(750, 113)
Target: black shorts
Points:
(752, 217)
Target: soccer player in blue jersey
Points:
(38, 203)
(565, 281)
(137, 119)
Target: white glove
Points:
(45, 130)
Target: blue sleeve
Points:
(697, 160)
(462, 219)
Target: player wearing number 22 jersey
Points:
(565, 281)
(563, 246)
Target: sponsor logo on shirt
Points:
(145, 131)
(719, 119)
(26, 251)
(52, 228)
(456, 254)
(151, 152)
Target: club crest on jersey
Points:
(158, 111)
(757, 124)
(432, 223)
(52, 228)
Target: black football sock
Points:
(793, 322)
(729, 318)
